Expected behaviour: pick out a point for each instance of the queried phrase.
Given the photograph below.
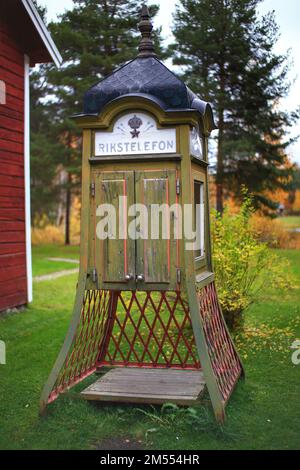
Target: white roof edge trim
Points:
(43, 32)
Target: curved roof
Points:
(149, 77)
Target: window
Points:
(196, 144)
(199, 219)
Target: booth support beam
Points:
(211, 383)
(67, 344)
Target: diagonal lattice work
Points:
(147, 329)
(87, 342)
(224, 359)
(151, 329)
(126, 329)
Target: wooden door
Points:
(156, 263)
(115, 255)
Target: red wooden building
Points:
(24, 42)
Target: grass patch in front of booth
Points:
(263, 413)
(43, 255)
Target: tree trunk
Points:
(220, 154)
(220, 166)
(68, 211)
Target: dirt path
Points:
(53, 276)
(64, 260)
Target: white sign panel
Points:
(135, 134)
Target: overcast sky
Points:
(287, 15)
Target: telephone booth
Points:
(146, 314)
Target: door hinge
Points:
(178, 276)
(93, 189)
(178, 187)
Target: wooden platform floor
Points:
(156, 386)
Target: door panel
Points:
(115, 254)
(156, 255)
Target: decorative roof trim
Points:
(43, 32)
(146, 47)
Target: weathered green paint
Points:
(136, 158)
(156, 258)
(115, 256)
(85, 214)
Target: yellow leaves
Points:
(244, 266)
(47, 235)
(265, 337)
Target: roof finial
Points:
(146, 47)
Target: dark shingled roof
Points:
(146, 76)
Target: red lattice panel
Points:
(147, 329)
(225, 362)
(129, 329)
(82, 357)
(152, 329)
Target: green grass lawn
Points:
(263, 413)
(41, 254)
(291, 221)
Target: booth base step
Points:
(155, 386)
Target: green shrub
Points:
(244, 266)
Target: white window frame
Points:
(200, 227)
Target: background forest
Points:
(223, 49)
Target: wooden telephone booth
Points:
(146, 307)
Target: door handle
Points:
(129, 277)
(140, 278)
